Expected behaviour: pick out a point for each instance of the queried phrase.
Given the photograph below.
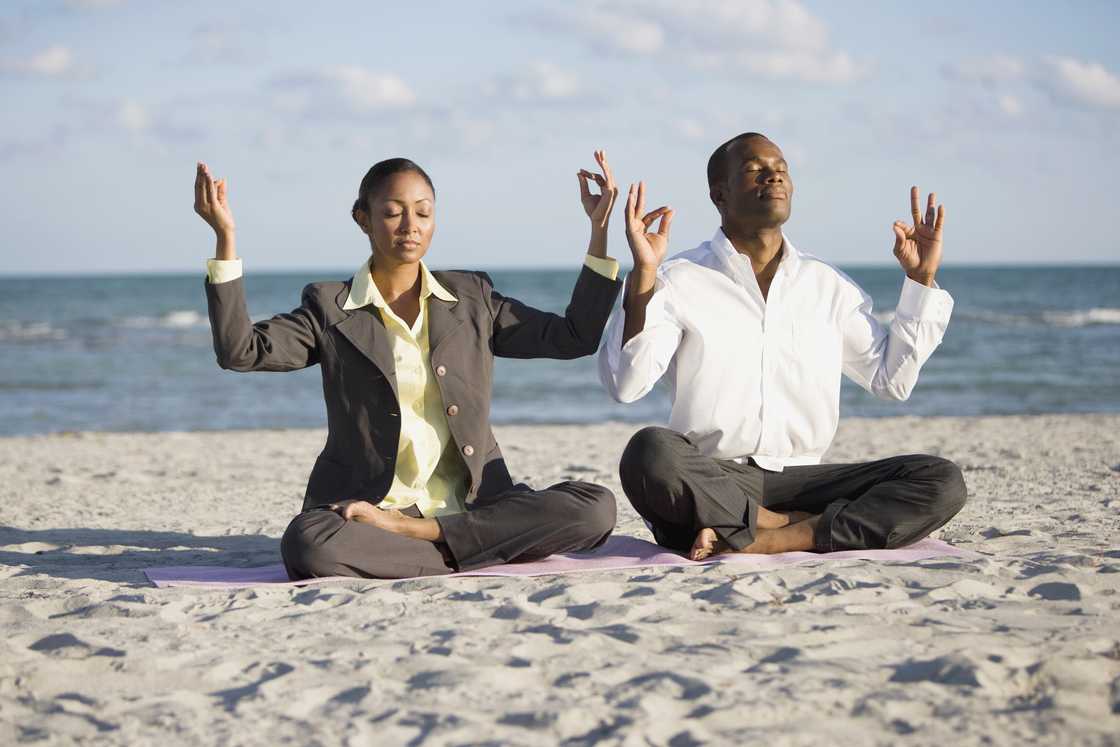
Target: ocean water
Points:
(134, 353)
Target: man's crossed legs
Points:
(699, 505)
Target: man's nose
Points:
(770, 176)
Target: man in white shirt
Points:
(753, 336)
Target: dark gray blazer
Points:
(359, 378)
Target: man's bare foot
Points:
(790, 538)
(708, 543)
(768, 519)
(391, 520)
(705, 544)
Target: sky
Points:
(1008, 110)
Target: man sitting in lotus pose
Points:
(753, 336)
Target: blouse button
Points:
(453, 410)
(441, 370)
(468, 450)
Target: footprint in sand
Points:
(69, 646)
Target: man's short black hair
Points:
(717, 164)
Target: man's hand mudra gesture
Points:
(648, 249)
(918, 247)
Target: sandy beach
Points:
(1020, 645)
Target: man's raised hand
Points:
(211, 201)
(598, 207)
(918, 246)
(648, 248)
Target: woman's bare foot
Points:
(391, 520)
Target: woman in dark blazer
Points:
(406, 356)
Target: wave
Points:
(1082, 318)
(178, 319)
(29, 332)
(1048, 318)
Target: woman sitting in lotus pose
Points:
(411, 481)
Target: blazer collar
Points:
(366, 331)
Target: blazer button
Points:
(453, 410)
(468, 450)
(441, 370)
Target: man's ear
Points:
(715, 193)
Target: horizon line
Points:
(1080, 264)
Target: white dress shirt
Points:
(760, 378)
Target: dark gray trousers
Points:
(881, 504)
(517, 525)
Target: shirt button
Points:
(441, 370)
(468, 450)
(453, 410)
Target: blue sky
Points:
(1009, 110)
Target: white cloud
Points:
(94, 4)
(1010, 105)
(52, 62)
(832, 67)
(365, 89)
(536, 82)
(605, 28)
(132, 116)
(778, 39)
(46, 144)
(1086, 83)
(347, 88)
(690, 128)
(217, 42)
(989, 70)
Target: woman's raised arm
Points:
(521, 331)
(286, 342)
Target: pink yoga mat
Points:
(618, 552)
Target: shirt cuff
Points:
(222, 270)
(605, 266)
(923, 302)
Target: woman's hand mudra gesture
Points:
(211, 201)
(598, 207)
(918, 247)
(648, 248)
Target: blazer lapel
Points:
(443, 318)
(365, 330)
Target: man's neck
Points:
(763, 246)
(395, 280)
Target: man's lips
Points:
(773, 194)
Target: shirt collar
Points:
(363, 291)
(722, 246)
